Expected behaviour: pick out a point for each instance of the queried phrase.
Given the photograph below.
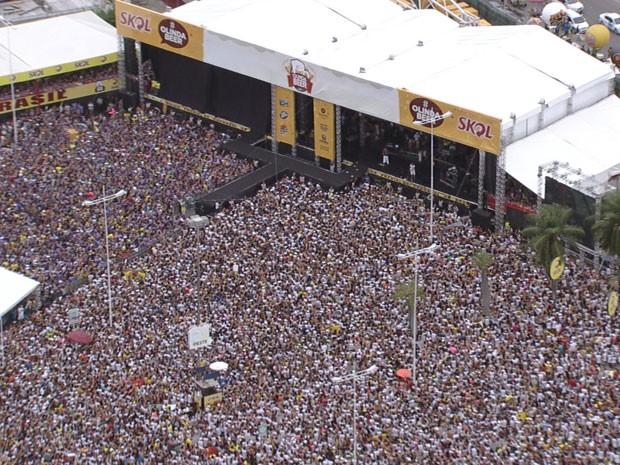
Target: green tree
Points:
(549, 230)
(483, 260)
(606, 229)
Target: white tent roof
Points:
(55, 41)
(13, 289)
(523, 75)
(497, 71)
(584, 140)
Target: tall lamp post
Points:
(104, 200)
(354, 376)
(431, 122)
(414, 325)
(8, 25)
(197, 223)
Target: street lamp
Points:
(197, 223)
(104, 200)
(354, 376)
(414, 326)
(8, 25)
(426, 122)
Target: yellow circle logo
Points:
(556, 268)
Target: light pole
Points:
(414, 326)
(354, 376)
(8, 25)
(197, 223)
(104, 200)
(430, 122)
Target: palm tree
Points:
(548, 231)
(607, 228)
(483, 260)
(408, 291)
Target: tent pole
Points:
(2, 332)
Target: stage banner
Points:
(285, 115)
(324, 129)
(59, 69)
(59, 95)
(159, 30)
(464, 126)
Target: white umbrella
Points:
(219, 366)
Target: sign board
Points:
(212, 399)
(556, 268)
(612, 303)
(464, 126)
(150, 27)
(199, 336)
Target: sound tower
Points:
(483, 218)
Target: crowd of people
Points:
(68, 155)
(298, 286)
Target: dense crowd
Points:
(298, 285)
(160, 162)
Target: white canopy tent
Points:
(14, 288)
(54, 41)
(362, 51)
(584, 140)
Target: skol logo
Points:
(136, 22)
(478, 129)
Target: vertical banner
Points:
(285, 115)
(324, 129)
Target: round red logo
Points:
(426, 112)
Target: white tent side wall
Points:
(14, 288)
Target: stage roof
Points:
(584, 140)
(14, 287)
(55, 41)
(497, 71)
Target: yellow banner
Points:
(59, 69)
(324, 129)
(161, 31)
(285, 115)
(463, 126)
(59, 95)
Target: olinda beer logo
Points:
(300, 75)
(173, 33)
(425, 110)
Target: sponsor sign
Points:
(463, 126)
(59, 69)
(153, 28)
(299, 75)
(199, 336)
(556, 268)
(212, 399)
(59, 95)
(612, 303)
(324, 129)
(285, 115)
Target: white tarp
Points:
(584, 140)
(14, 287)
(55, 41)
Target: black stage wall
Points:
(209, 89)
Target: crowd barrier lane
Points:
(419, 187)
(191, 111)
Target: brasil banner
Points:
(59, 95)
